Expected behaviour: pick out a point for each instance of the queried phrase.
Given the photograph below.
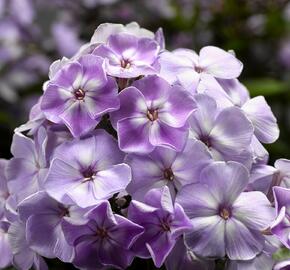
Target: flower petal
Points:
(219, 63)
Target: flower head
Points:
(163, 221)
(281, 225)
(128, 56)
(79, 94)
(152, 113)
(224, 221)
(87, 170)
(97, 240)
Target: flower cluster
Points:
(137, 151)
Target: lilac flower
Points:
(79, 94)
(261, 177)
(152, 113)
(283, 167)
(227, 133)
(97, 240)
(4, 193)
(224, 221)
(27, 169)
(43, 217)
(229, 93)
(166, 167)
(281, 225)
(127, 56)
(283, 265)
(23, 256)
(184, 66)
(87, 170)
(6, 253)
(163, 222)
(105, 30)
(183, 258)
(263, 260)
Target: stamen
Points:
(125, 63)
(168, 174)
(152, 115)
(225, 213)
(198, 69)
(79, 94)
(102, 233)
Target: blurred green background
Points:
(257, 30)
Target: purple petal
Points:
(102, 100)
(197, 201)
(184, 170)
(225, 180)
(42, 233)
(68, 76)
(207, 237)
(134, 135)
(94, 76)
(177, 108)
(160, 249)
(163, 135)
(55, 101)
(111, 181)
(124, 44)
(161, 92)
(241, 243)
(78, 120)
(126, 232)
(258, 217)
(69, 176)
(132, 105)
(264, 121)
(219, 63)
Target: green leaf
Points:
(282, 254)
(266, 87)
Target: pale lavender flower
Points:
(23, 256)
(228, 93)
(187, 68)
(79, 94)
(181, 257)
(152, 113)
(6, 253)
(283, 167)
(105, 30)
(227, 133)
(127, 56)
(43, 217)
(104, 240)
(281, 225)
(165, 166)
(4, 193)
(163, 221)
(28, 167)
(223, 217)
(283, 265)
(87, 170)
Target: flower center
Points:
(206, 140)
(125, 63)
(89, 175)
(198, 69)
(79, 94)
(64, 211)
(152, 114)
(102, 233)
(225, 213)
(168, 174)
